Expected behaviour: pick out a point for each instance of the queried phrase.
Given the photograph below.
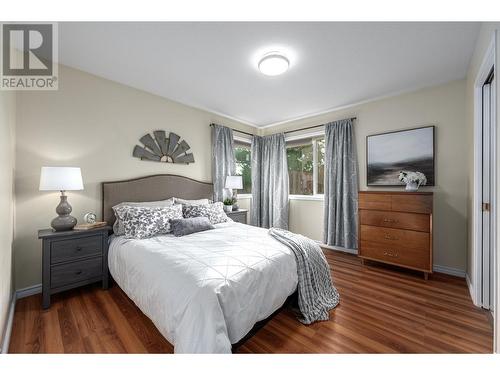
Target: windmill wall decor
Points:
(163, 149)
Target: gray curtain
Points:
(222, 160)
(341, 186)
(269, 182)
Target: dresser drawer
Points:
(412, 258)
(396, 237)
(72, 249)
(70, 273)
(412, 203)
(375, 201)
(401, 220)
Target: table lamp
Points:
(61, 179)
(234, 183)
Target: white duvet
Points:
(205, 291)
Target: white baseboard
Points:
(449, 270)
(18, 294)
(29, 291)
(8, 326)
(336, 248)
(471, 289)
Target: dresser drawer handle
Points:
(79, 272)
(392, 254)
(79, 248)
(389, 237)
(386, 220)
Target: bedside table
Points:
(73, 258)
(240, 216)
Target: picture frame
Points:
(389, 153)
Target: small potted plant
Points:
(413, 180)
(228, 204)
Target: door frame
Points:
(482, 75)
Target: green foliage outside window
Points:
(243, 166)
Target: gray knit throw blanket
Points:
(317, 295)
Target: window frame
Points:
(316, 135)
(247, 141)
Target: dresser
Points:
(73, 258)
(240, 216)
(396, 228)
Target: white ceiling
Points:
(213, 65)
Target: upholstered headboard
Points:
(151, 188)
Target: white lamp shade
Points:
(61, 178)
(234, 182)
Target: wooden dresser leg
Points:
(426, 276)
(362, 261)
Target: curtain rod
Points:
(289, 131)
(235, 130)
(312, 127)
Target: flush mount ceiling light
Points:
(273, 64)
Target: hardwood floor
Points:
(382, 310)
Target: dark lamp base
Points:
(64, 221)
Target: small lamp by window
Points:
(234, 183)
(61, 179)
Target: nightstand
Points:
(73, 258)
(240, 216)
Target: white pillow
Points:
(192, 201)
(119, 229)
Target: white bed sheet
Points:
(205, 291)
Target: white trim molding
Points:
(336, 248)
(29, 291)
(482, 75)
(8, 326)
(471, 289)
(244, 196)
(18, 294)
(449, 271)
(317, 197)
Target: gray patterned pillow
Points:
(145, 222)
(118, 227)
(214, 212)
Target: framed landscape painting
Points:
(407, 150)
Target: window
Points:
(243, 165)
(306, 166)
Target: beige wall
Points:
(94, 124)
(442, 106)
(7, 129)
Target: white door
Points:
(487, 264)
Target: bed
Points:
(205, 291)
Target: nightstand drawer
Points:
(72, 249)
(239, 217)
(71, 273)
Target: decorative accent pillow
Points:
(119, 229)
(192, 201)
(214, 212)
(145, 222)
(182, 227)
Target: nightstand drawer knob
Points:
(79, 272)
(79, 248)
